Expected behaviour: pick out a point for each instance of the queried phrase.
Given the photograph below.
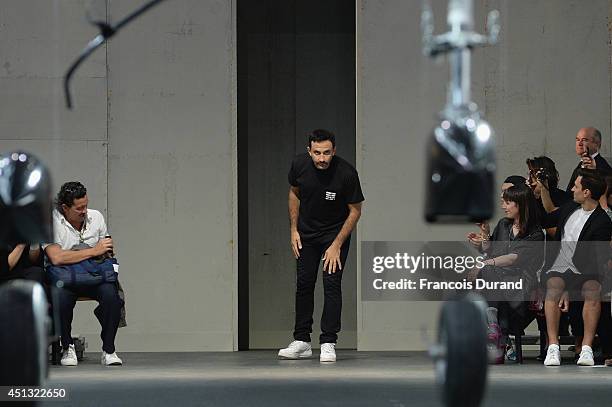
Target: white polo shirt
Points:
(67, 236)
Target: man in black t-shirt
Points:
(324, 206)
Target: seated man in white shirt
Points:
(73, 225)
(575, 262)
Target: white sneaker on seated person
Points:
(296, 350)
(110, 359)
(69, 357)
(553, 355)
(586, 356)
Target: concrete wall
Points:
(152, 136)
(548, 76)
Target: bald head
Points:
(588, 137)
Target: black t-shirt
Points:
(324, 195)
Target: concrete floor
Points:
(257, 378)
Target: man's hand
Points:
(296, 243)
(564, 302)
(588, 162)
(331, 259)
(103, 246)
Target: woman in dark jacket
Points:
(514, 252)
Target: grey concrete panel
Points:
(40, 38)
(69, 160)
(172, 172)
(35, 110)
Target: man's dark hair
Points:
(544, 168)
(523, 196)
(606, 175)
(318, 135)
(515, 180)
(68, 193)
(593, 181)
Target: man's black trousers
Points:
(108, 313)
(307, 270)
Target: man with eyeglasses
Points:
(324, 206)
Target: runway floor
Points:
(257, 378)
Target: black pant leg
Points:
(67, 300)
(109, 312)
(307, 269)
(332, 308)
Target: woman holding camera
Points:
(544, 181)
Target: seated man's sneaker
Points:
(586, 356)
(69, 357)
(111, 359)
(553, 356)
(328, 352)
(296, 350)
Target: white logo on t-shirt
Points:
(330, 196)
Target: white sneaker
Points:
(110, 359)
(69, 357)
(586, 356)
(553, 356)
(328, 352)
(296, 350)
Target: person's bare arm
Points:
(332, 254)
(502, 261)
(60, 257)
(15, 255)
(294, 210)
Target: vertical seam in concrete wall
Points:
(295, 64)
(609, 26)
(358, 156)
(234, 141)
(108, 220)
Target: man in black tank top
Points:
(324, 206)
